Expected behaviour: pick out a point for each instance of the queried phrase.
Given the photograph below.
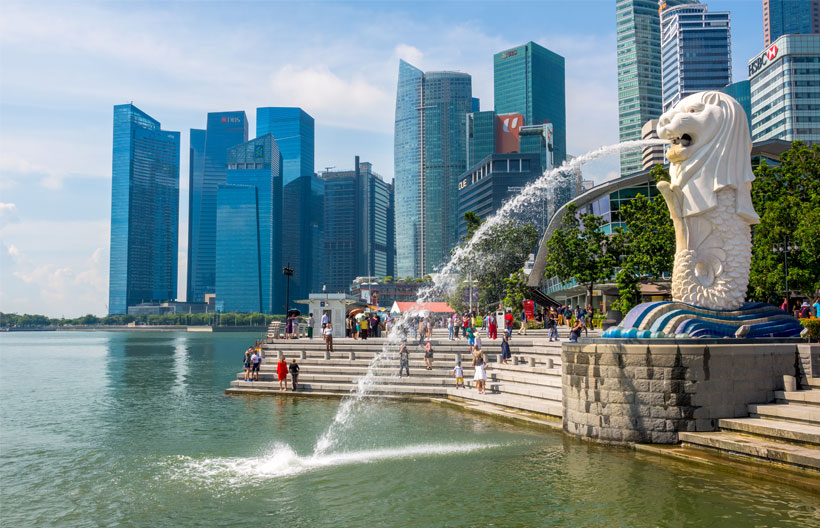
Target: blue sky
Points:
(64, 65)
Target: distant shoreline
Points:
(141, 328)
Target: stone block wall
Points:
(622, 390)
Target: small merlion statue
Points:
(709, 199)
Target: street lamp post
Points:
(786, 248)
(288, 272)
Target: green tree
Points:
(787, 198)
(628, 290)
(501, 251)
(517, 291)
(580, 250)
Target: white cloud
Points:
(13, 251)
(8, 214)
(410, 54)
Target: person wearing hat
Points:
(805, 310)
(458, 372)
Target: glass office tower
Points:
(742, 93)
(784, 80)
(224, 130)
(429, 155)
(144, 211)
(695, 51)
(529, 80)
(480, 136)
(249, 229)
(783, 17)
(359, 226)
(639, 71)
(293, 130)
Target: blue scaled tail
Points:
(678, 320)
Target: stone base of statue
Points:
(647, 390)
(680, 320)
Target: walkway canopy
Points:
(430, 307)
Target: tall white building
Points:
(696, 51)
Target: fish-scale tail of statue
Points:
(713, 274)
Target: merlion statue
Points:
(709, 199)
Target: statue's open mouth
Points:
(684, 140)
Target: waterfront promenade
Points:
(784, 430)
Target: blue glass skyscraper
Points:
(695, 51)
(303, 195)
(144, 211)
(293, 130)
(783, 17)
(249, 229)
(429, 155)
(224, 130)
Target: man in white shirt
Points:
(325, 320)
(311, 322)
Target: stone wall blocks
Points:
(705, 425)
(658, 437)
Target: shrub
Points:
(813, 326)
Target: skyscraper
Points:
(480, 136)
(695, 51)
(742, 93)
(144, 211)
(249, 229)
(783, 83)
(783, 17)
(429, 156)
(302, 195)
(639, 71)
(359, 226)
(292, 128)
(529, 80)
(206, 173)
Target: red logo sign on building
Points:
(771, 53)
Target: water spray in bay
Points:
(517, 210)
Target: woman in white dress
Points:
(480, 376)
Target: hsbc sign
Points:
(763, 60)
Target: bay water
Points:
(134, 429)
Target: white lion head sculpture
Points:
(710, 151)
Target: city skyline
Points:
(56, 208)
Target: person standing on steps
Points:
(470, 333)
(450, 328)
(256, 360)
(328, 332)
(294, 373)
(311, 322)
(325, 320)
(456, 325)
(480, 376)
(492, 327)
(404, 358)
(508, 323)
(505, 349)
(552, 331)
(458, 372)
(247, 362)
(428, 355)
(282, 373)
(816, 307)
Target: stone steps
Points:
(805, 397)
(755, 446)
(548, 407)
(775, 429)
(790, 412)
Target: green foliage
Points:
(660, 173)
(628, 291)
(171, 319)
(787, 198)
(501, 251)
(517, 291)
(647, 243)
(579, 249)
(473, 222)
(813, 326)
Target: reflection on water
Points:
(135, 429)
